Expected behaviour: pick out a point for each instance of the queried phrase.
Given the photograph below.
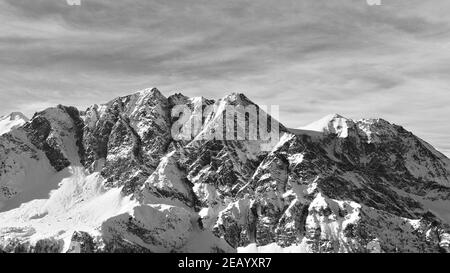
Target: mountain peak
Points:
(337, 116)
(237, 98)
(178, 98)
(154, 92)
(11, 121)
(17, 116)
(333, 123)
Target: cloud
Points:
(310, 57)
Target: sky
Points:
(310, 57)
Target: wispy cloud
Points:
(310, 57)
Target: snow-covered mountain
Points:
(11, 121)
(113, 178)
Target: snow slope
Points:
(79, 204)
(83, 204)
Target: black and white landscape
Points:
(119, 182)
(221, 158)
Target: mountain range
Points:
(113, 178)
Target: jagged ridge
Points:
(336, 185)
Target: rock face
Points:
(117, 177)
(126, 138)
(81, 242)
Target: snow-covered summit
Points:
(373, 130)
(18, 115)
(150, 91)
(11, 121)
(331, 124)
(237, 98)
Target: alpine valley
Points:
(112, 178)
